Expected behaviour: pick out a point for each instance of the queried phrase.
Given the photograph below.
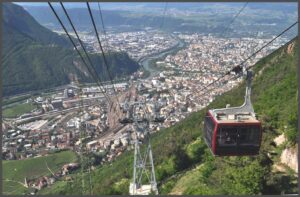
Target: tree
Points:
(181, 160)
(291, 131)
(243, 180)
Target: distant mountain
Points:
(180, 17)
(284, 6)
(119, 19)
(80, 17)
(34, 57)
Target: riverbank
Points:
(149, 62)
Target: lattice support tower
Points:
(142, 165)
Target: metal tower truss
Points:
(144, 181)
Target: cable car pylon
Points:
(142, 165)
(143, 181)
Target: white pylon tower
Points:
(143, 167)
(144, 181)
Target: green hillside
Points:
(184, 164)
(18, 25)
(35, 58)
(15, 171)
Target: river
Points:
(146, 60)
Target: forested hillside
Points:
(184, 164)
(17, 21)
(34, 57)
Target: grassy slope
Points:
(180, 148)
(17, 170)
(11, 100)
(274, 97)
(17, 110)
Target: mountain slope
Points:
(275, 101)
(184, 164)
(15, 18)
(35, 58)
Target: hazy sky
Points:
(170, 4)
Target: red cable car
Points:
(233, 131)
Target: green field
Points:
(17, 110)
(15, 171)
(7, 101)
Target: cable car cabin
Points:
(229, 135)
(233, 131)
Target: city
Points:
(175, 91)
(70, 130)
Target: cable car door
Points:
(227, 141)
(248, 140)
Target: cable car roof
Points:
(242, 114)
(244, 117)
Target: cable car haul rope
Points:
(229, 131)
(236, 131)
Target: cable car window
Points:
(227, 136)
(249, 136)
(208, 128)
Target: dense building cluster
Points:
(67, 119)
(137, 44)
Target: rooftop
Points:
(241, 117)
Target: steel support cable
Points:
(82, 45)
(249, 57)
(144, 161)
(103, 55)
(237, 76)
(161, 26)
(233, 19)
(254, 47)
(232, 78)
(81, 142)
(85, 63)
(104, 31)
(164, 16)
(271, 42)
(239, 68)
(224, 32)
(103, 26)
(250, 44)
(264, 46)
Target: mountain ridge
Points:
(35, 58)
(17, 19)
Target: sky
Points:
(116, 5)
